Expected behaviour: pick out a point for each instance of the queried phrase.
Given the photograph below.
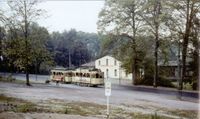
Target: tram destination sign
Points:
(107, 88)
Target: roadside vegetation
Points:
(145, 35)
(10, 79)
(9, 104)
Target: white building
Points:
(111, 68)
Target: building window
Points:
(99, 62)
(115, 72)
(107, 62)
(107, 71)
(115, 63)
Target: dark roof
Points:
(169, 63)
(89, 64)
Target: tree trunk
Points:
(179, 65)
(156, 22)
(198, 65)
(185, 41)
(156, 63)
(198, 58)
(134, 67)
(133, 73)
(26, 45)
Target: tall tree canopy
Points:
(23, 13)
(122, 18)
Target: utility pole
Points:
(26, 43)
(179, 81)
(157, 9)
(69, 58)
(198, 41)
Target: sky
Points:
(81, 15)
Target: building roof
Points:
(108, 56)
(89, 64)
(169, 63)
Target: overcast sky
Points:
(65, 15)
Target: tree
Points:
(2, 35)
(122, 18)
(184, 14)
(154, 17)
(39, 37)
(70, 46)
(23, 13)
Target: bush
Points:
(10, 78)
(47, 81)
(165, 82)
(161, 82)
(7, 79)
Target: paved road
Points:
(124, 85)
(120, 96)
(142, 99)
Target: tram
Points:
(79, 76)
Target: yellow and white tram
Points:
(80, 76)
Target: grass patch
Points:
(10, 79)
(4, 98)
(83, 108)
(19, 105)
(183, 113)
(148, 116)
(119, 113)
(27, 107)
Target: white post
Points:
(108, 94)
(108, 107)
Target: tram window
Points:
(81, 74)
(77, 74)
(100, 76)
(97, 76)
(93, 75)
(88, 75)
(54, 73)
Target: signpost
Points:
(108, 94)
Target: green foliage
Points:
(27, 107)
(148, 80)
(15, 51)
(80, 47)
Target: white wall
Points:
(111, 68)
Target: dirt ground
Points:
(90, 103)
(12, 115)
